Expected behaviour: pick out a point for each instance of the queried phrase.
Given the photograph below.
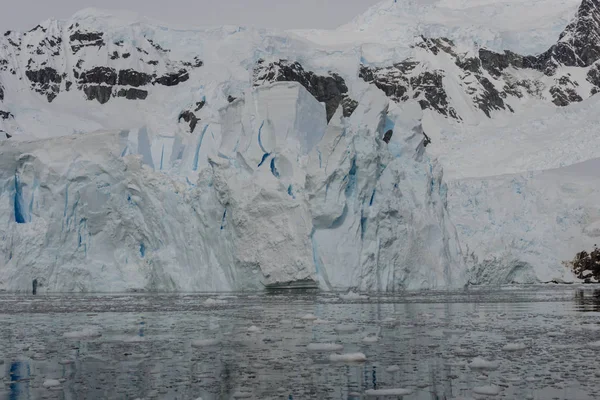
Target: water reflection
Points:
(187, 346)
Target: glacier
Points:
(280, 197)
(422, 145)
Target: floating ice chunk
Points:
(86, 333)
(555, 334)
(462, 352)
(50, 383)
(346, 328)
(371, 339)
(324, 347)
(205, 342)
(490, 390)
(353, 296)
(253, 329)
(483, 364)
(514, 347)
(321, 322)
(65, 362)
(392, 368)
(310, 317)
(348, 357)
(214, 302)
(286, 321)
(594, 345)
(388, 392)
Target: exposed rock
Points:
(200, 105)
(348, 106)
(388, 136)
(133, 94)
(1, 92)
(562, 96)
(173, 78)
(586, 266)
(6, 115)
(157, 46)
(85, 39)
(45, 81)
(190, 118)
(114, 55)
(231, 99)
(579, 43)
(330, 89)
(490, 99)
(134, 78)
(196, 63)
(126, 55)
(430, 85)
(98, 75)
(98, 92)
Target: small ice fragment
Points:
(253, 329)
(309, 317)
(286, 321)
(86, 333)
(348, 357)
(205, 342)
(392, 368)
(214, 302)
(371, 339)
(353, 296)
(555, 334)
(514, 347)
(324, 347)
(490, 390)
(483, 364)
(49, 383)
(321, 322)
(388, 392)
(594, 345)
(66, 362)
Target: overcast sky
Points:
(260, 13)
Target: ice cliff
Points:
(270, 194)
(137, 156)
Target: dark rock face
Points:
(174, 78)
(80, 39)
(579, 44)
(190, 118)
(6, 115)
(231, 99)
(133, 78)
(593, 77)
(200, 105)
(586, 266)
(490, 99)
(98, 92)
(45, 81)
(1, 92)
(330, 89)
(348, 106)
(401, 82)
(435, 95)
(196, 63)
(133, 94)
(99, 75)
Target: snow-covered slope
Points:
(142, 156)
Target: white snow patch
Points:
(348, 357)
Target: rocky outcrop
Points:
(45, 81)
(98, 92)
(133, 78)
(133, 94)
(98, 75)
(173, 78)
(6, 115)
(190, 118)
(586, 266)
(329, 89)
(81, 39)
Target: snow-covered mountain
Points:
(141, 156)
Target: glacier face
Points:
(281, 196)
(135, 156)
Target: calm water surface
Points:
(513, 343)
